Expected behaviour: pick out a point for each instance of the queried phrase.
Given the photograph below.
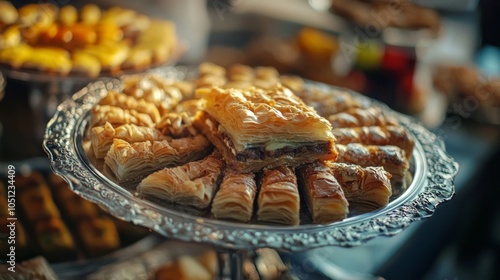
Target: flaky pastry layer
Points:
(191, 184)
(129, 163)
(324, 195)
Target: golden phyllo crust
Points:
(258, 128)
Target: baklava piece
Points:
(235, 197)
(101, 137)
(73, 206)
(98, 236)
(356, 117)
(278, 199)
(55, 240)
(259, 128)
(391, 158)
(191, 184)
(366, 188)
(329, 102)
(37, 203)
(324, 195)
(127, 163)
(376, 135)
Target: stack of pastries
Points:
(250, 145)
(88, 41)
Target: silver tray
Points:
(432, 184)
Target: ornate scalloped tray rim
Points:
(432, 185)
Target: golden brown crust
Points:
(255, 128)
(324, 195)
(101, 137)
(127, 163)
(392, 158)
(329, 102)
(191, 184)
(177, 125)
(357, 117)
(117, 116)
(256, 158)
(164, 93)
(366, 188)
(377, 135)
(123, 101)
(235, 197)
(279, 200)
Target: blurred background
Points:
(438, 61)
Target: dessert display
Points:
(89, 41)
(249, 145)
(56, 224)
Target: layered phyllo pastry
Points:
(127, 163)
(279, 199)
(235, 197)
(256, 128)
(324, 195)
(193, 183)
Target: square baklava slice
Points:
(256, 128)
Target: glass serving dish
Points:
(433, 172)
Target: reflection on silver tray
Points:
(432, 185)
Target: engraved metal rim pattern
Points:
(432, 185)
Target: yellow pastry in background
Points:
(85, 63)
(118, 16)
(51, 60)
(15, 56)
(8, 13)
(11, 36)
(45, 38)
(90, 14)
(68, 15)
(110, 54)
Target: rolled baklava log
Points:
(329, 102)
(127, 163)
(391, 158)
(259, 128)
(101, 137)
(357, 117)
(324, 195)
(191, 184)
(235, 198)
(278, 199)
(366, 188)
(377, 135)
